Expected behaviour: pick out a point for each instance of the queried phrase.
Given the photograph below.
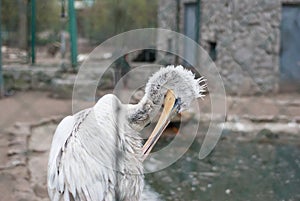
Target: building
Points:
(254, 43)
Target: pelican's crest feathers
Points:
(178, 79)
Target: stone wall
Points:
(25, 78)
(167, 20)
(52, 79)
(247, 38)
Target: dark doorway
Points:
(290, 48)
(190, 30)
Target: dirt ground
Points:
(24, 145)
(23, 107)
(31, 106)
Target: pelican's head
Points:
(180, 81)
(175, 88)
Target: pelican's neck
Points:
(140, 115)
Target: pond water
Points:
(264, 169)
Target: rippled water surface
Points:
(263, 169)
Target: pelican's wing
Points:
(62, 133)
(81, 161)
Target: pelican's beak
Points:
(170, 108)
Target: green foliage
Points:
(97, 23)
(109, 17)
(47, 18)
(47, 15)
(9, 16)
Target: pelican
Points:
(97, 154)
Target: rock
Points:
(20, 173)
(243, 55)
(16, 150)
(23, 130)
(62, 88)
(23, 186)
(227, 191)
(24, 197)
(40, 191)
(297, 119)
(266, 133)
(267, 63)
(7, 183)
(251, 19)
(17, 160)
(37, 166)
(41, 137)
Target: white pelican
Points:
(97, 154)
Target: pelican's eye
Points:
(177, 104)
(148, 124)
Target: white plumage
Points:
(96, 154)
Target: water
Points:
(261, 169)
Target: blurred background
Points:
(254, 44)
